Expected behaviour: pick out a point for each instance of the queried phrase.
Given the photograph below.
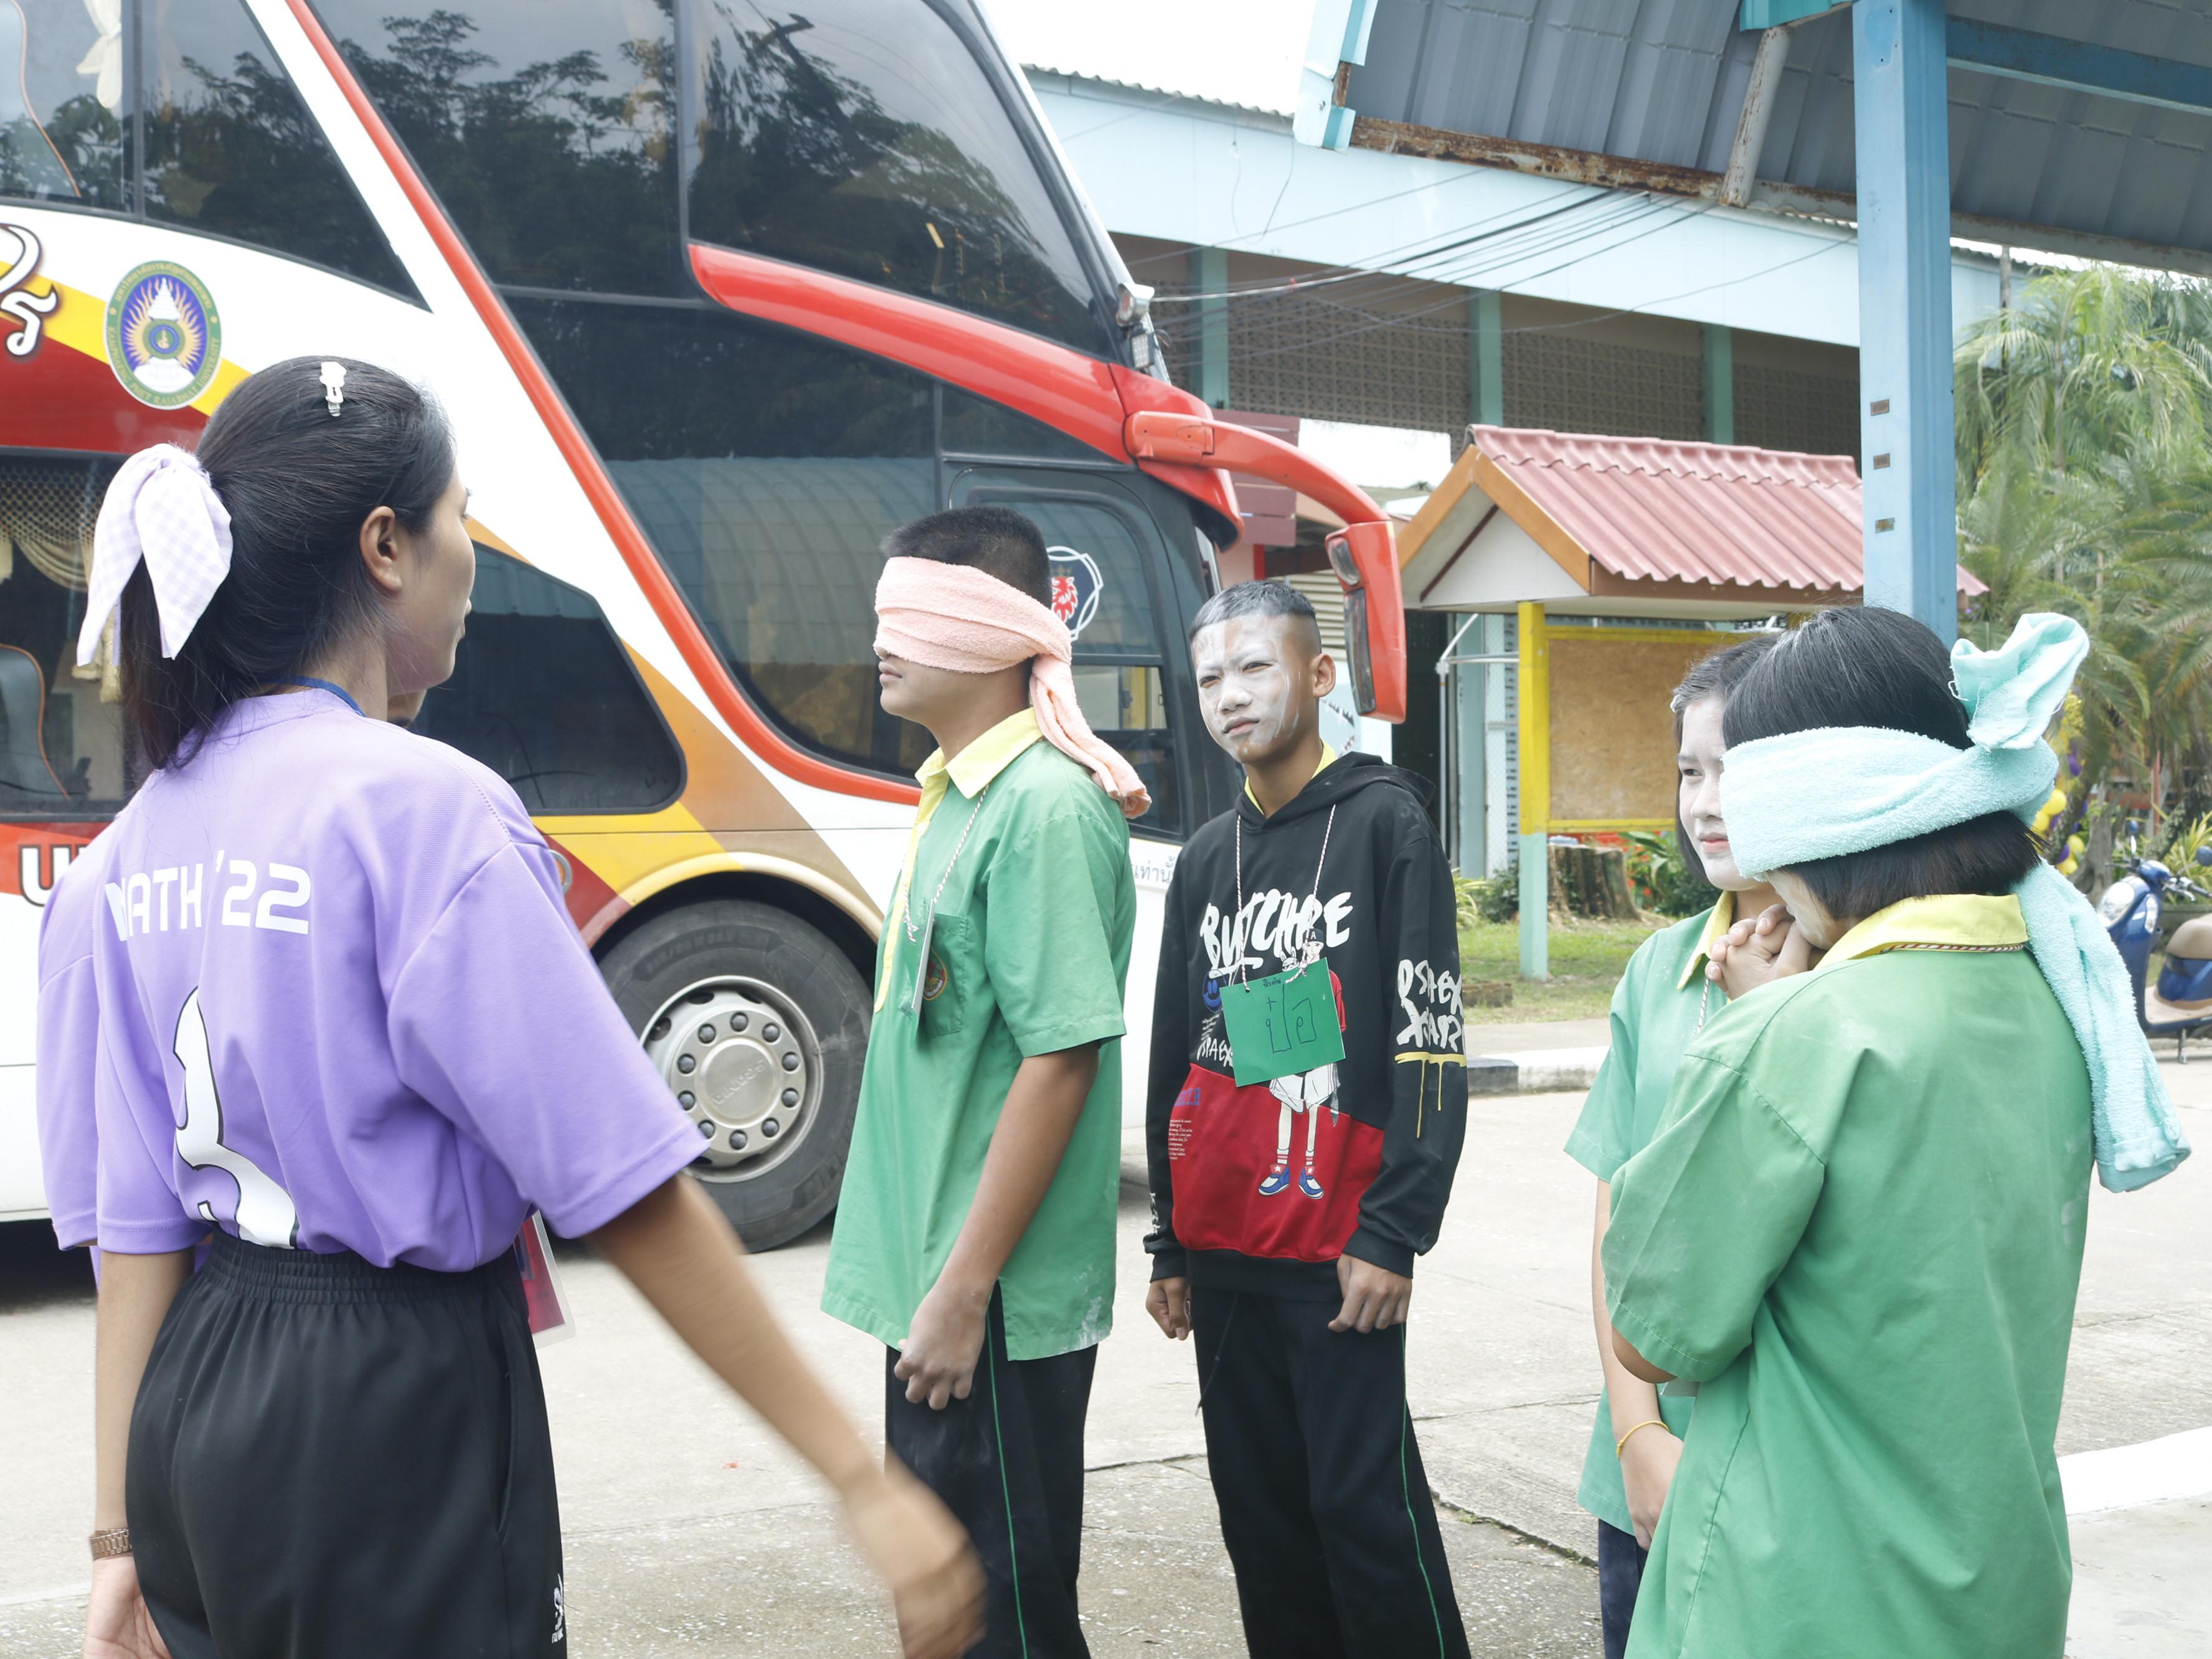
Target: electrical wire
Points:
(1464, 235)
(1461, 299)
(1635, 211)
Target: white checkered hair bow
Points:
(163, 509)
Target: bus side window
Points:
(231, 149)
(766, 468)
(63, 104)
(543, 693)
(61, 745)
(548, 131)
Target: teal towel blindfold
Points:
(1820, 794)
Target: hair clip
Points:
(334, 387)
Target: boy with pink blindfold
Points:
(975, 1235)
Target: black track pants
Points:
(1324, 1505)
(1008, 1461)
(333, 1460)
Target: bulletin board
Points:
(1612, 733)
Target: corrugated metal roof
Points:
(1652, 510)
(1662, 81)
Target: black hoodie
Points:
(1370, 1160)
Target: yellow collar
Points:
(1949, 921)
(1722, 918)
(1327, 760)
(974, 767)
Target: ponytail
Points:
(297, 473)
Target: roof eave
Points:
(1627, 172)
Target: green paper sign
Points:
(1283, 1025)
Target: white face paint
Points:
(1258, 690)
(1698, 798)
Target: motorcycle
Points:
(2182, 1001)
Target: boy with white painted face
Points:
(1309, 970)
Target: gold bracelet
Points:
(1648, 1423)
(115, 1540)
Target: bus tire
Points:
(758, 1023)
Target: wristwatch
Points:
(115, 1540)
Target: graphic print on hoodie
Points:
(1262, 1188)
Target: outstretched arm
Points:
(676, 1248)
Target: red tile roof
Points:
(1653, 510)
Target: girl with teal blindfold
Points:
(1859, 1226)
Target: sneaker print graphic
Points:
(1303, 1094)
(560, 1637)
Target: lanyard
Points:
(906, 910)
(335, 690)
(1312, 948)
(928, 929)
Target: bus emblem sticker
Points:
(164, 337)
(1076, 588)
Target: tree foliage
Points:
(2085, 487)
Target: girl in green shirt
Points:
(1859, 1225)
(1664, 998)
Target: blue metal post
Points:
(1904, 309)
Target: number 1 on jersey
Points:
(264, 1214)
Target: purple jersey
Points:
(343, 1008)
(69, 1037)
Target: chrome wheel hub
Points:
(742, 1062)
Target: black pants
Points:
(1008, 1461)
(1620, 1561)
(333, 1460)
(1324, 1505)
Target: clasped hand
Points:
(1758, 950)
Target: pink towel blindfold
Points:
(957, 618)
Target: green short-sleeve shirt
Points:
(1859, 1226)
(1656, 1008)
(1028, 956)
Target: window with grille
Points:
(1340, 355)
(1568, 383)
(1789, 408)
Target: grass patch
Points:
(1587, 958)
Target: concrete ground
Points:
(690, 1532)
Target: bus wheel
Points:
(758, 1024)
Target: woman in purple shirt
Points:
(347, 1034)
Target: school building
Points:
(1350, 265)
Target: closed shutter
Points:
(1326, 594)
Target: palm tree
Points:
(2085, 460)
(2036, 539)
(2089, 362)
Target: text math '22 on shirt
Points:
(248, 895)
